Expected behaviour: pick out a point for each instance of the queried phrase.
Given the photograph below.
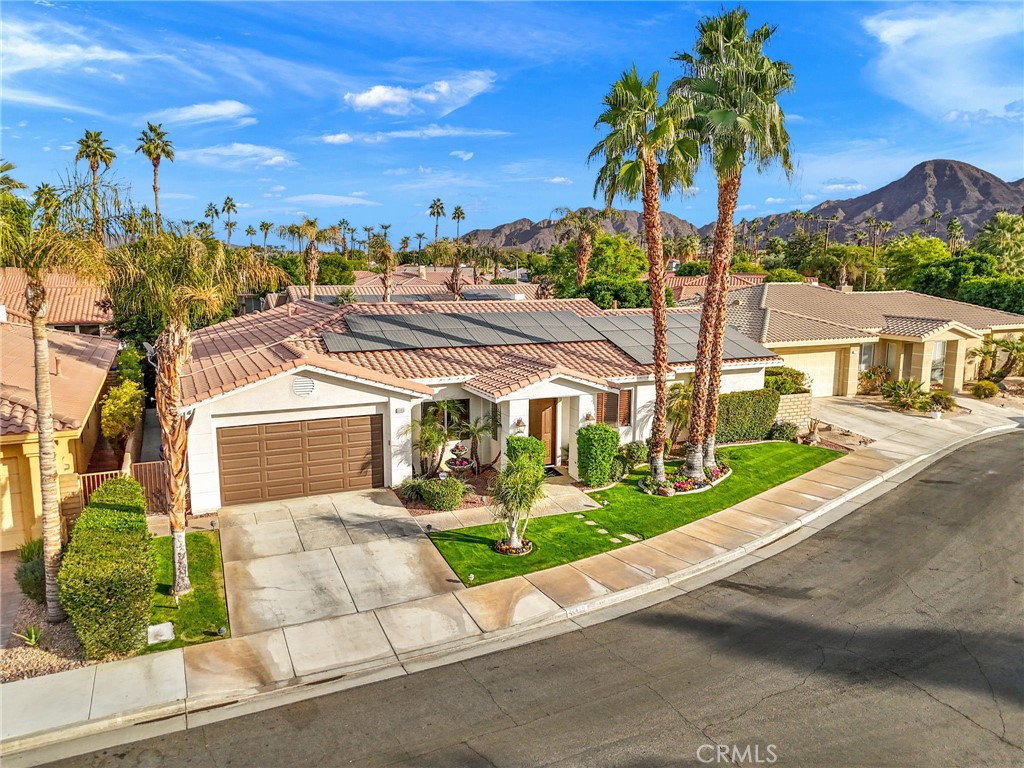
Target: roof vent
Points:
(303, 386)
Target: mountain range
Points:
(951, 187)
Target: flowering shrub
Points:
(683, 483)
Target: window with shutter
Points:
(625, 407)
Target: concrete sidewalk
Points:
(377, 630)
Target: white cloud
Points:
(28, 47)
(278, 188)
(177, 196)
(33, 99)
(558, 180)
(358, 194)
(461, 154)
(746, 207)
(435, 131)
(440, 97)
(775, 200)
(950, 60)
(337, 138)
(844, 184)
(792, 117)
(45, 149)
(328, 200)
(216, 111)
(238, 156)
(809, 198)
(23, 123)
(395, 171)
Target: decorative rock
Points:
(601, 530)
(629, 537)
(161, 633)
(666, 491)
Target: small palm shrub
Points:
(905, 394)
(30, 550)
(444, 495)
(514, 492)
(984, 389)
(411, 489)
(634, 453)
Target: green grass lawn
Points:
(202, 610)
(563, 538)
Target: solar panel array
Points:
(633, 334)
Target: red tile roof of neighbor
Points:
(253, 347)
(84, 363)
(374, 288)
(70, 301)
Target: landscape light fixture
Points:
(589, 418)
(520, 426)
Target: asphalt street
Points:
(895, 637)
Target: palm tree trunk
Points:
(386, 279)
(52, 535)
(582, 258)
(173, 347)
(659, 312)
(96, 228)
(265, 243)
(437, 223)
(156, 192)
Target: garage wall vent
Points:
(303, 386)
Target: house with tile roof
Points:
(371, 291)
(833, 335)
(79, 365)
(310, 398)
(73, 306)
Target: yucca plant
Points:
(905, 394)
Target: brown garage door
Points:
(300, 458)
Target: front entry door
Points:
(543, 416)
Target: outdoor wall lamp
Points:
(520, 426)
(589, 418)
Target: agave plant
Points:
(905, 394)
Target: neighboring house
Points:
(73, 306)
(687, 286)
(307, 398)
(79, 365)
(833, 335)
(373, 292)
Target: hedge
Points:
(596, 446)
(785, 381)
(444, 495)
(746, 415)
(523, 446)
(1005, 293)
(108, 575)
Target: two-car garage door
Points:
(821, 368)
(264, 462)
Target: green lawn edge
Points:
(203, 610)
(564, 538)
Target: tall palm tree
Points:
(645, 154)
(735, 88)
(155, 145)
(343, 229)
(1002, 236)
(403, 244)
(229, 227)
(368, 231)
(265, 227)
(955, 235)
(47, 200)
(94, 149)
(212, 213)
(189, 223)
(385, 260)
(251, 232)
(352, 235)
(419, 241)
(583, 226)
(30, 241)
(384, 228)
(458, 216)
(311, 231)
(177, 281)
(8, 183)
(437, 211)
(227, 209)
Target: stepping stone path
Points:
(601, 530)
(615, 540)
(591, 522)
(579, 517)
(629, 537)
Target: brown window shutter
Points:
(611, 409)
(625, 407)
(599, 407)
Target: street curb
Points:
(170, 717)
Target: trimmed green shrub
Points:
(444, 495)
(121, 411)
(940, 400)
(783, 275)
(985, 389)
(411, 489)
(746, 268)
(619, 468)
(129, 365)
(30, 550)
(746, 415)
(518, 446)
(122, 493)
(503, 281)
(1003, 292)
(785, 381)
(634, 453)
(596, 446)
(32, 579)
(693, 268)
(786, 431)
(905, 394)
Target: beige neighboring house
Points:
(79, 365)
(73, 306)
(833, 335)
(372, 292)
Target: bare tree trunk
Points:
(659, 311)
(35, 295)
(312, 267)
(173, 348)
(584, 248)
(97, 229)
(387, 277)
(156, 191)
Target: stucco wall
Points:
(20, 493)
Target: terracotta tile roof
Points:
(71, 302)
(901, 325)
(374, 288)
(84, 363)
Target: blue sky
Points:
(367, 111)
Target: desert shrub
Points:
(786, 431)
(693, 268)
(869, 381)
(619, 468)
(30, 550)
(905, 394)
(32, 579)
(634, 453)
(746, 415)
(596, 446)
(123, 493)
(783, 275)
(531, 448)
(503, 281)
(129, 365)
(411, 489)
(940, 400)
(444, 494)
(121, 411)
(985, 389)
(785, 381)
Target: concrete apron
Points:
(554, 611)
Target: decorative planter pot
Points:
(935, 414)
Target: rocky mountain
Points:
(540, 235)
(948, 186)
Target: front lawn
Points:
(203, 610)
(564, 538)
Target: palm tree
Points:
(94, 148)
(645, 155)
(403, 244)
(513, 493)
(47, 200)
(8, 183)
(955, 235)
(384, 228)
(177, 281)
(1002, 236)
(265, 227)
(352, 235)
(251, 232)
(310, 230)
(155, 145)
(229, 227)
(343, 229)
(458, 216)
(583, 226)
(385, 260)
(437, 211)
(227, 209)
(735, 89)
(189, 223)
(1013, 346)
(212, 213)
(29, 241)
